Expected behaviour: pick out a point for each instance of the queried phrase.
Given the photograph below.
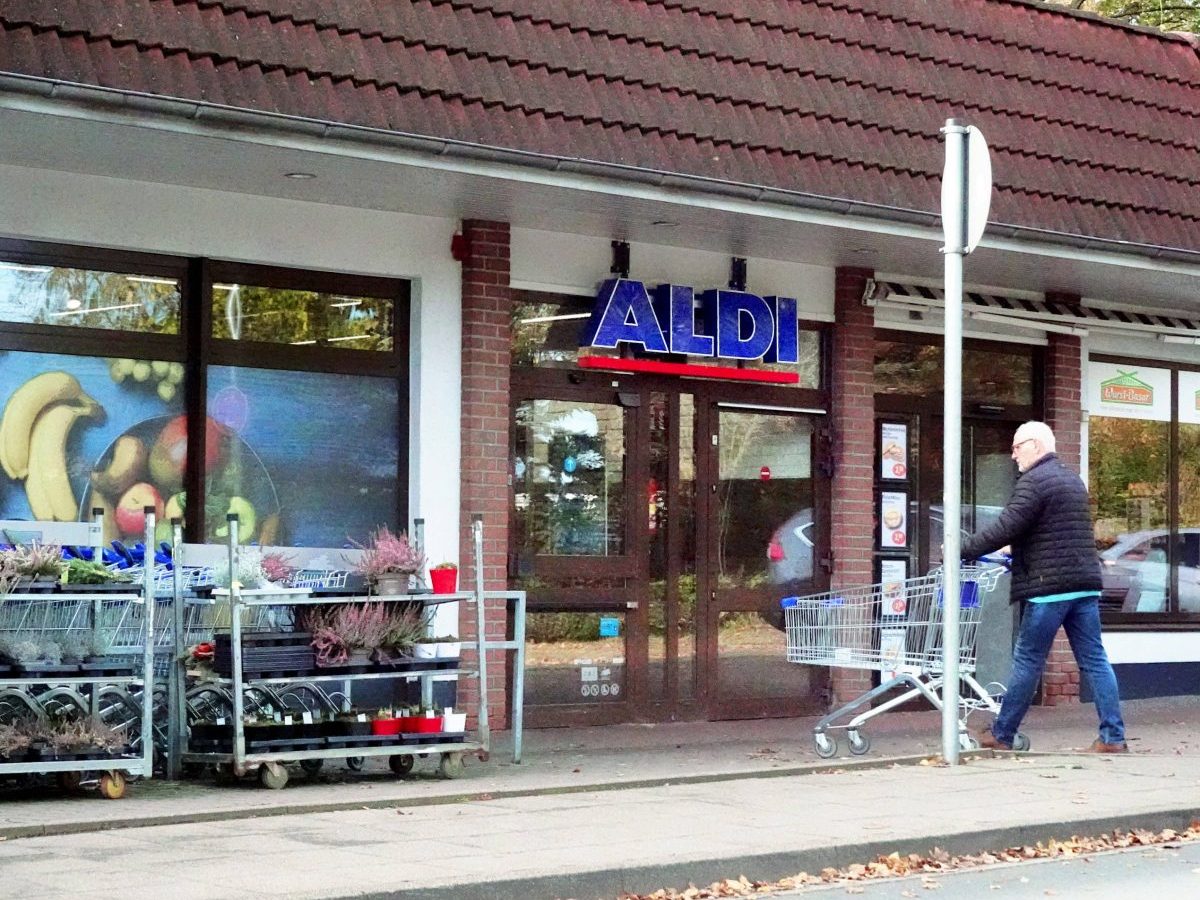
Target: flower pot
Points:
(409, 724)
(391, 583)
(443, 581)
(454, 722)
(448, 649)
(425, 651)
(385, 726)
(428, 724)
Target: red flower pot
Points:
(385, 726)
(428, 725)
(408, 724)
(443, 581)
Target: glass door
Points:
(763, 540)
(575, 529)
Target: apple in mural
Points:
(130, 514)
(168, 456)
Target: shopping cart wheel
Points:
(312, 766)
(1020, 741)
(451, 765)
(273, 776)
(859, 743)
(355, 763)
(401, 764)
(966, 742)
(112, 785)
(825, 746)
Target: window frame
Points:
(1174, 619)
(195, 347)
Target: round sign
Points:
(898, 538)
(569, 465)
(764, 473)
(898, 605)
(899, 470)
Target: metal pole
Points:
(955, 226)
(235, 649)
(148, 647)
(485, 730)
(177, 673)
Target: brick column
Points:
(486, 343)
(852, 417)
(1064, 379)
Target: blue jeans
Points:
(1040, 623)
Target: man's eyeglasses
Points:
(1017, 445)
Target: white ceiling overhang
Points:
(87, 130)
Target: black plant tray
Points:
(107, 666)
(284, 745)
(434, 737)
(37, 670)
(108, 587)
(80, 753)
(267, 639)
(363, 740)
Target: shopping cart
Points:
(894, 629)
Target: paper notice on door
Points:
(893, 519)
(892, 575)
(893, 451)
(891, 652)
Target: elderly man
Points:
(1056, 573)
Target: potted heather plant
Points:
(389, 560)
(35, 568)
(443, 578)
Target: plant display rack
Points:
(235, 748)
(111, 689)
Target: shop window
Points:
(546, 331)
(305, 458)
(80, 432)
(279, 315)
(1187, 540)
(993, 376)
(569, 479)
(38, 294)
(575, 657)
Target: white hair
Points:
(1036, 431)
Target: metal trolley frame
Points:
(892, 628)
(128, 620)
(270, 765)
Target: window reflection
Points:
(302, 318)
(1187, 550)
(85, 298)
(989, 376)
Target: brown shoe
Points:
(1098, 746)
(988, 741)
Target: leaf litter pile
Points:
(938, 862)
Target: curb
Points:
(49, 829)
(611, 883)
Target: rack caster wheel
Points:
(69, 781)
(355, 763)
(859, 743)
(112, 785)
(312, 767)
(273, 776)
(966, 742)
(401, 764)
(825, 746)
(451, 765)
(1020, 742)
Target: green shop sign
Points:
(1127, 388)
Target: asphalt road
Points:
(1161, 873)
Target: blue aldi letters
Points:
(737, 325)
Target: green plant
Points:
(82, 571)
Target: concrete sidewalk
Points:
(597, 811)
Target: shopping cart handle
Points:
(997, 559)
(788, 602)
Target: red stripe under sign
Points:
(687, 370)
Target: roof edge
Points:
(94, 97)
(1088, 15)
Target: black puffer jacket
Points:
(1049, 525)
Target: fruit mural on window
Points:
(79, 432)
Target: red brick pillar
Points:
(486, 343)
(852, 417)
(1064, 380)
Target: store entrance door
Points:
(652, 528)
(763, 538)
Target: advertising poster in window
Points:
(1189, 397)
(1129, 391)
(79, 432)
(891, 651)
(892, 575)
(893, 451)
(893, 516)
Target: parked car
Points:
(1136, 575)
(791, 550)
